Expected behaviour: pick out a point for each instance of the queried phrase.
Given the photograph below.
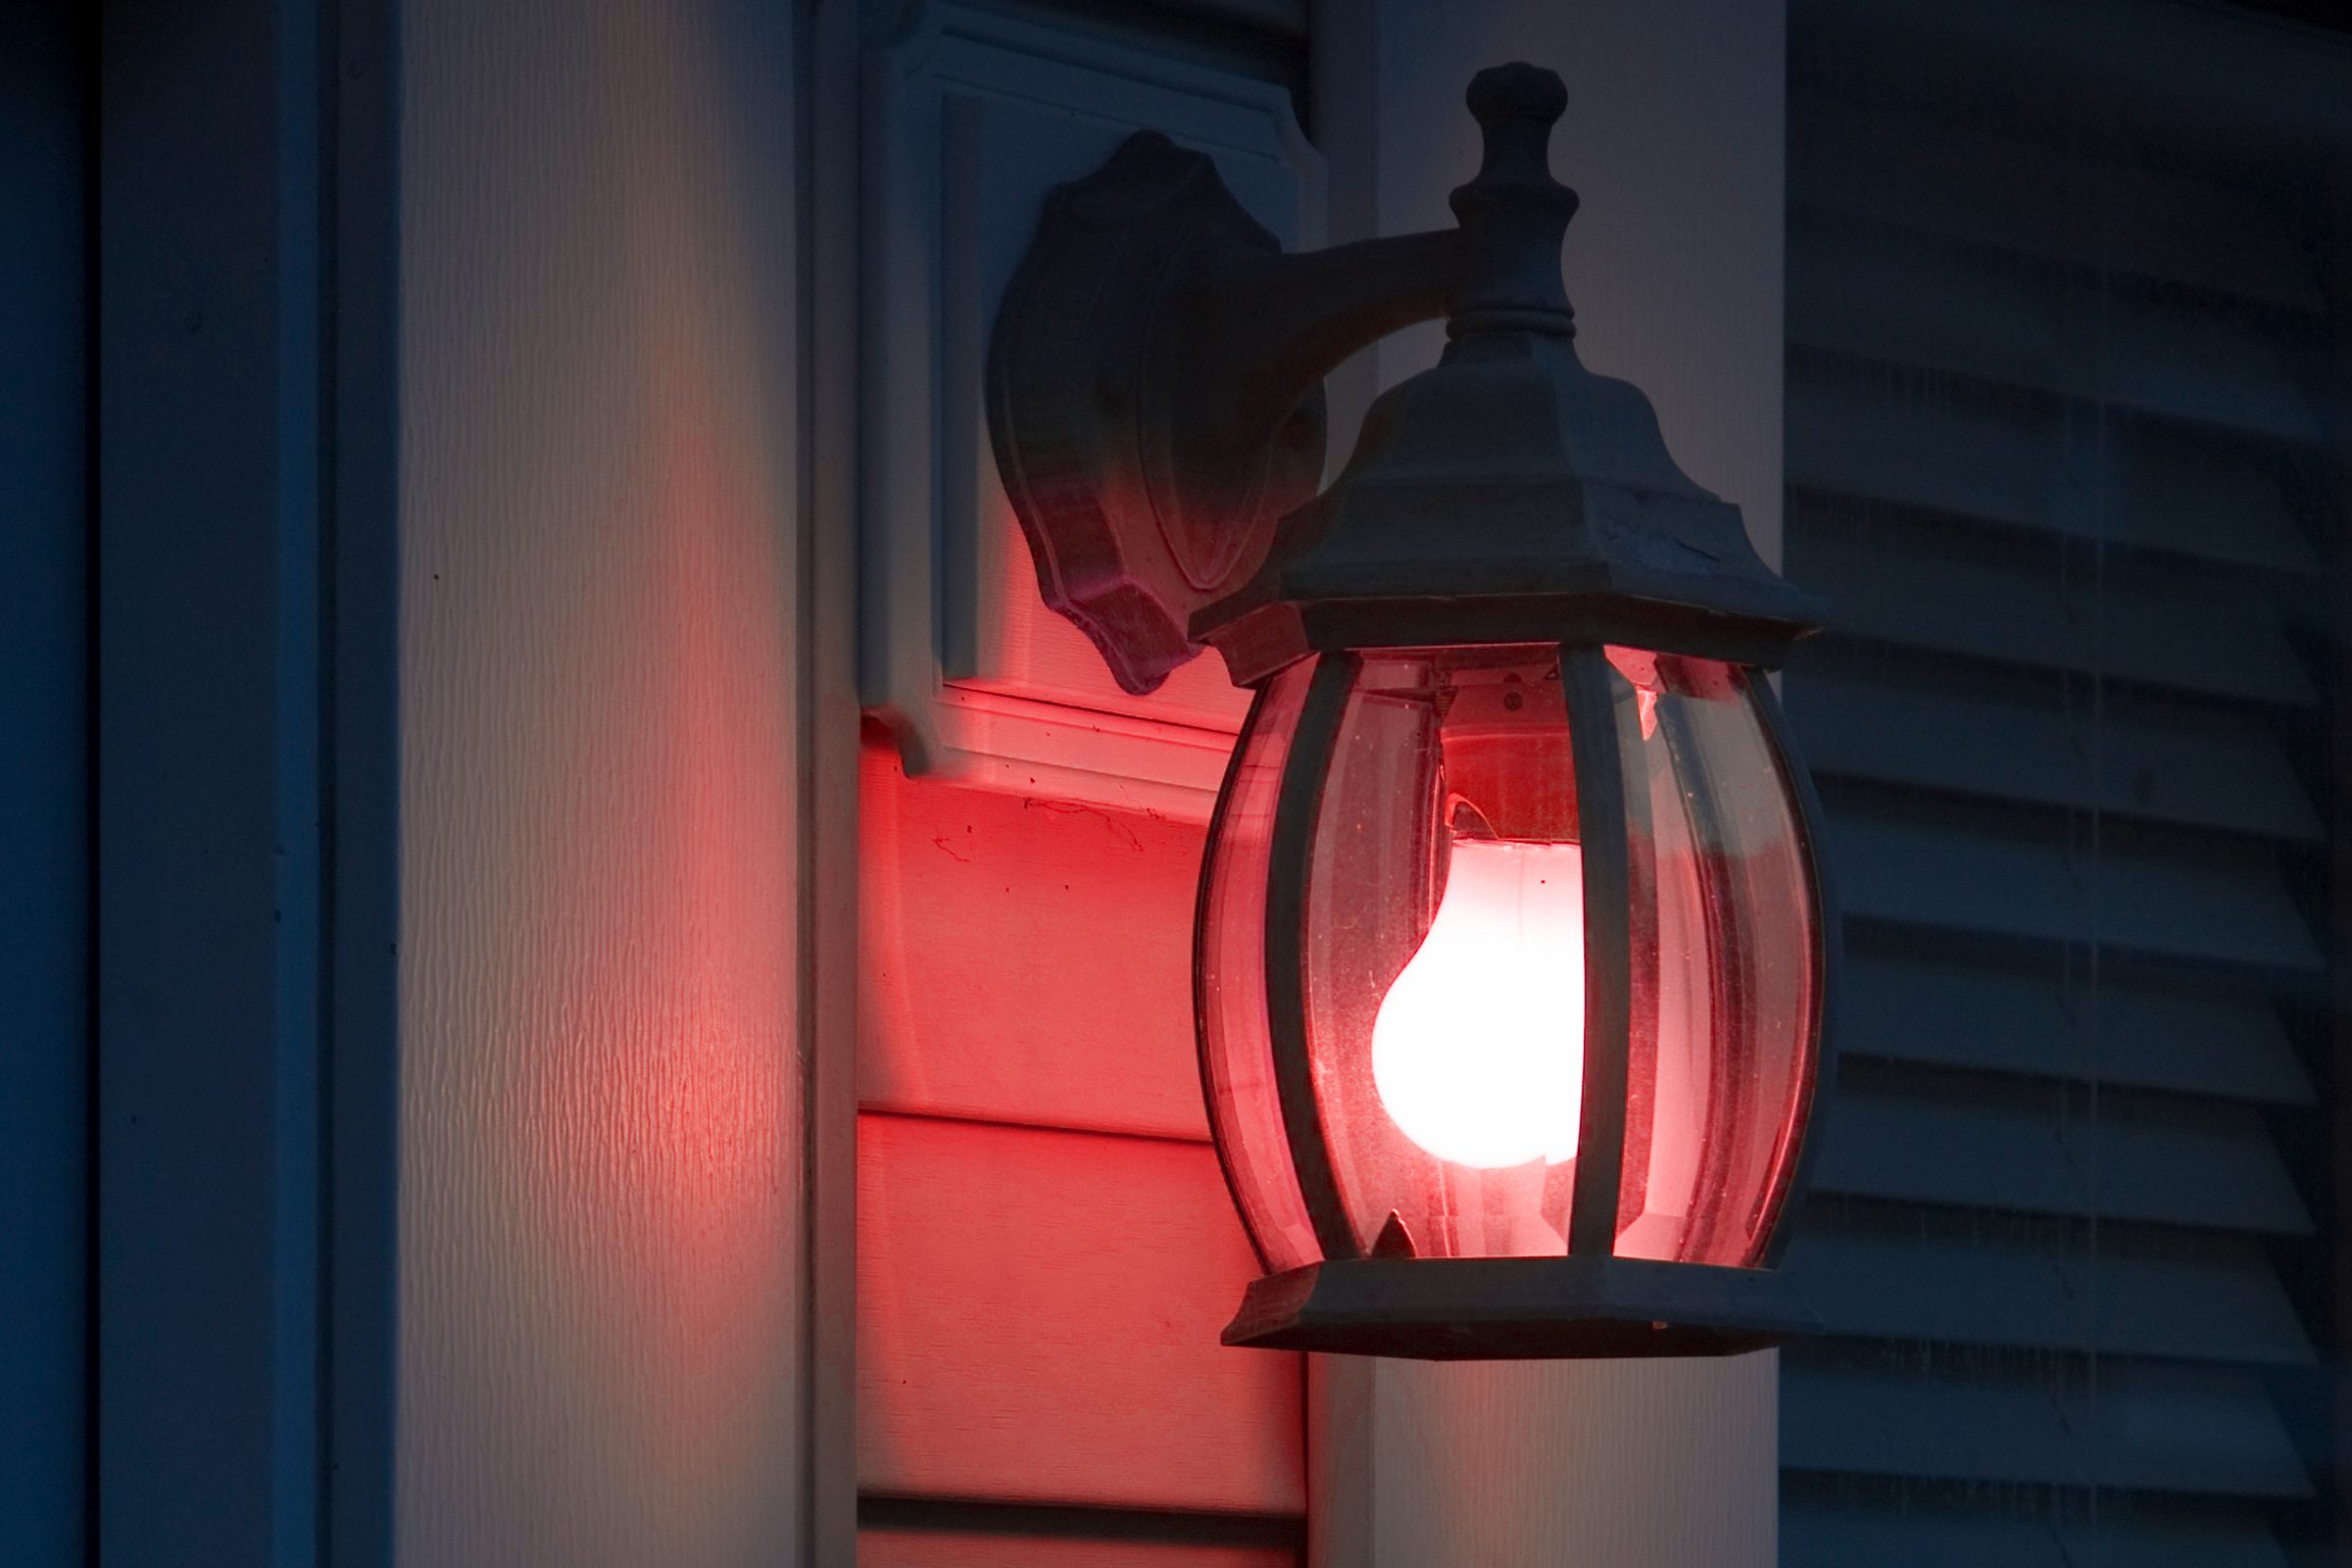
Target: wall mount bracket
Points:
(1153, 397)
(1154, 389)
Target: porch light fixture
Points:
(1513, 950)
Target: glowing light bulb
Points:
(1478, 1049)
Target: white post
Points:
(604, 1243)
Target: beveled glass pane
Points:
(1725, 968)
(1236, 1061)
(1443, 953)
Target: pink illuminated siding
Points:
(897, 1549)
(1046, 1247)
(1038, 1317)
(1024, 959)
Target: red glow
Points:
(1478, 1049)
(1440, 937)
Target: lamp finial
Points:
(1514, 213)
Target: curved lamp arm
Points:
(1154, 378)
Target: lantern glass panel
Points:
(1726, 982)
(1434, 1046)
(1443, 953)
(1236, 1061)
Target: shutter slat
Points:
(1889, 1273)
(2017, 874)
(1827, 1534)
(1914, 300)
(2005, 193)
(2042, 1149)
(2191, 1430)
(1857, 430)
(1978, 593)
(2037, 737)
(2059, 392)
(2015, 1016)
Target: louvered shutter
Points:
(2059, 421)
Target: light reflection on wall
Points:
(600, 1276)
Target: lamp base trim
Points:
(1520, 1308)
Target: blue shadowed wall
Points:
(44, 836)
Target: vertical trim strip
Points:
(360, 778)
(963, 351)
(825, 123)
(1600, 796)
(1296, 808)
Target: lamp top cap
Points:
(1513, 214)
(1516, 90)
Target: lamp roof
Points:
(1507, 493)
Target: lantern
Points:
(1512, 952)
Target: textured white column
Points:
(603, 1203)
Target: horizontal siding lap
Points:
(1038, 1315)
(1024, 959)
(922, 1549)
(1045, 1249)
